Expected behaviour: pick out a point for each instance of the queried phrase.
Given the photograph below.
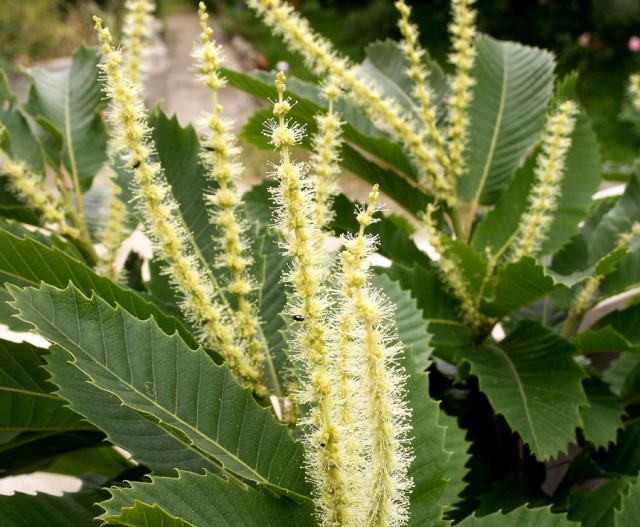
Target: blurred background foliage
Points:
(599, 38)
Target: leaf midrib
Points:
(503, 355)
(494, 140)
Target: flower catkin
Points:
(294, 216)
(543, 198)
(385, 415)
(220, 158)
(322, 59)
(137, 29)
(450, 270)
(325, 158)
(112, 236)
(33, 192)
(161, 213)
(416, 70)
(463, 32)
(582, 301)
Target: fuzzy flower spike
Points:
(137, 29)
(417, 71)
(583, 300)
(33, 192)
(220, 158)
(463, 32)
(163, 220)
(325, 158)
(294, 216)
(385, 415)
(543, 198)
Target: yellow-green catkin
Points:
(220, 158)
(35, 194)
(137, 29)
(634, 89)
(294, 216)
(325, 158)
(452, 275)
(582, 302)
(112, 235)
(386, 416)
(322, 59)
(463, 31)
(543, 197)
(416, 70)
(161, 213)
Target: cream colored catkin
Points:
(385, 416)
(582, 302)
(35, 194)
(220, 157)
(161, 213)
(410, 45)
(137, 30)
(325, 158)
(450, 270)
(112, 236)
(543, 197)
(463, 33)
(294, 216)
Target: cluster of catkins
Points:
(346, 358)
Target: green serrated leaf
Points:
(595, 507)
(625, 322)
(26, 399)
(269, 266)
(202, 501)
(603, 339)
(456, 443)
(44, 510)
(532, 379)
(215, 414)
(31, 261)
(67, 103)
(621, 372)
(412, 329)
(123, 426)
(603, 417)
(517, 285)
(428, 468)
(22, 143)
(629, 511)
(513, 87)
(623, 457)
(521, 517)
(145, 514)
(624, 277)
(439, 309)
